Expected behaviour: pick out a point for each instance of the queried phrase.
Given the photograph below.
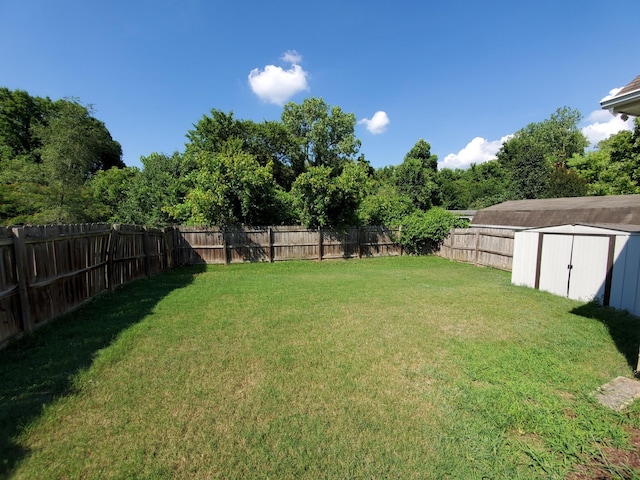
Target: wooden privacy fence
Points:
(50, 270)
(269, 244)
(489, 247)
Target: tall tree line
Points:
(58, 163)
(49, 151)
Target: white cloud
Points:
(601, 125)
(376, 124)
(478, 150)
(276, 85)
(291, 56)
(612, 93)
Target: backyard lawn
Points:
(404, 367)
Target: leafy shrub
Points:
(324, 200)
(385, 207)
(424, 232)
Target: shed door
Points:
(574, 266)
(589, 272)
(554, 263)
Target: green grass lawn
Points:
(376, 368)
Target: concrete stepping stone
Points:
(619, 393)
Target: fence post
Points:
(20, 250)
(319, 243)
(111, 260)
(399, 239)
(224, 246)
(270, 245)
(163, 246)
(477, 247)
(146, 247)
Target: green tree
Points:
(324, 200)
(479, 186)
(566, 182)
(614, 168)
(559, 136)
(415, 177)
(24, 194)
(109, 190)
(528, 170)
(162, 183)
(226, 188)
(19, 113)
(212, 132)
(532, 155)
(48, 151)
(384, 206)
(488, 183)
(422, 151)
(268, 142)
(322, 136)
(74, 145)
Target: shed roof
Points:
(581, 229)
(618, 209)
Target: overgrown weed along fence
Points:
(46, 271)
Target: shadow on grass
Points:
(39, 368)
(623, 327)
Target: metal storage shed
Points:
(582, 262)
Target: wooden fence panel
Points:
(157, 248)
(169, 248)
(249, 244)
(379, 242)
(490, 247)
(197, 245)
(128, 255)
(65, 266)
(295, 243)
(10, 309)
(340, 244)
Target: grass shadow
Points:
(623, 327)
(39, 368)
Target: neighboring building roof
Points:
(626, 101)
(617, 209)
(466, 214)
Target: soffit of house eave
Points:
(627, 98)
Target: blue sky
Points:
(462, 75)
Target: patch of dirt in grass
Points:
(565, 395)
(612, 463)
(529, 439)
